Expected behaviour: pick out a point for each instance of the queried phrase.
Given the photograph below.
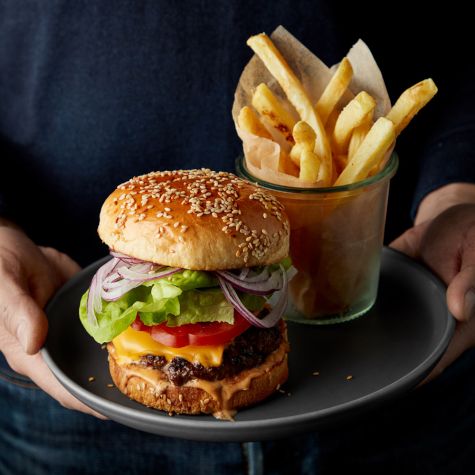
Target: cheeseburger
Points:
(191, 302)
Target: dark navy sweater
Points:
(94, 92)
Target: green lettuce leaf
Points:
(197, 306)
(174, 298)
(189, 279)
(184, 297)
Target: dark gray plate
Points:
(387, 351)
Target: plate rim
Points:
(220, 428)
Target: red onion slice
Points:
(269, 320)
(94, 301)
(144, 272)
(125, 257)
(123, 273)
(272, 284)
(113, 294)
(261, 277)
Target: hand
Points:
(29, 276)
(446, 244)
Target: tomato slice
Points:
(198, 334)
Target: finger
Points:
(57, 269)
(65, 266)
(461, 294)
(410, 242)
(23, 318)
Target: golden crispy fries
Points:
(273, 60)
(249, 121)
(304, 135)
(309, 166)
(309, 162)
(335, 89)
(358, 135)
(295, 154)
(358, 147)
(286, 165)
(270, 107)
(410, 102)
(370, 153)
(351, 117)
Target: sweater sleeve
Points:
(448, 153)
(451, 159)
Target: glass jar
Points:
(336, 239)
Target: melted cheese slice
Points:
(131, 345)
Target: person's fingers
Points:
(410, 242)
(46, 279)
(461, 294)
(23, 318)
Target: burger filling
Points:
(247, 350)
(187, 323)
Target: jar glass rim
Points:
(387, 172)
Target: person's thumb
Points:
(461, 294)
(24, 319)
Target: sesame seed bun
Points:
(221, 398)
(195, 219)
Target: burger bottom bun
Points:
(221, 398)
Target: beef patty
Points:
(246, 351)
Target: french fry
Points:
(410, 102)
(370, 153)
(309, 166)
(309, 162)
(358, 135)
(340, 162)
(330, 125)
(295, 154)
(274, 61)
(249, 121)
(270, 107)
(334, 90)
(304, 135)
(351, 117)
